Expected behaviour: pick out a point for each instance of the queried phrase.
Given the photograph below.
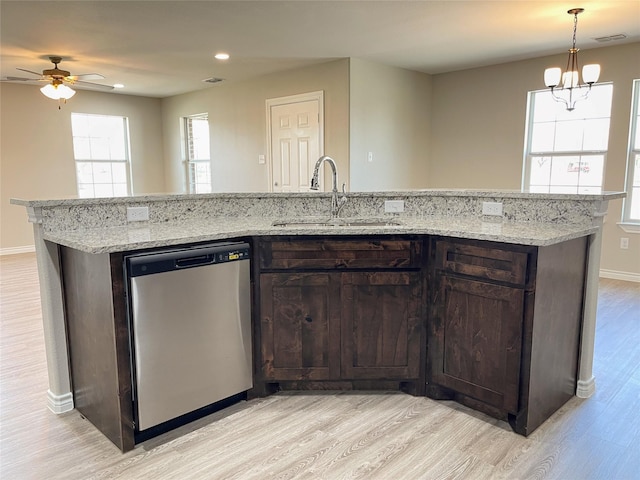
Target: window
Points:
(196, 128)
(566, 151)
(101, 151)
(631, 212)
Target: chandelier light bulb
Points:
(591, 73)
(552, 76)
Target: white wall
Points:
(478, 124)
(237, 121)
(390, 114)
(36, 149)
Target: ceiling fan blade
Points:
(87, 76)
(29, 71)
(99, 86)
(20, 79)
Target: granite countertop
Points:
(142, 235)
(439, 192)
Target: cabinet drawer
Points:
(332, 254)
(490, 263)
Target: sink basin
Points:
(340, 222)
(371, 223)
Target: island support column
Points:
(59, 395)
(586, 380)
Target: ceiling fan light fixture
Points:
(57, 92)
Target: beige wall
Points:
(465, 130)
(478, 124)
(237, 119)
(390, 111)
(36, 149)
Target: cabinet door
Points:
(381, 325)
(476, 340)
(300, 315)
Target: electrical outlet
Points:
(624, 243)
(492, 208)
(394, 206)
(137, 214)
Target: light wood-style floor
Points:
(328, 435)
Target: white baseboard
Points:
(17, 250)
(59, 403)
(618, 275)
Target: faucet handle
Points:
(344, 188)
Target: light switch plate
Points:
(137, 214)
(394, 206)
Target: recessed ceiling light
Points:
(118, 85)
(222, 56)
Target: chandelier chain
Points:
(575, 28)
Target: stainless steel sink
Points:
(340, 222)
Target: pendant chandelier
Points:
(571, 90)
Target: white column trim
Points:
(586, 381)
(59, 395)
(586, 388)
(59, 403)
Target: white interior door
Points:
(295, 142)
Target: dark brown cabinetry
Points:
(494, 326)
(381, 325)
(344, 310)
(98, 342)
(477, 341)
(504, 326)
(300, 326)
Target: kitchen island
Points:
(538, 226)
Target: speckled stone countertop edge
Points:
(398, 193)
(138, 237)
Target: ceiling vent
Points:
(213, 80)
(610, 38)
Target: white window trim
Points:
(628, 225)
(187, 161)
(127, 146)
(528, 154)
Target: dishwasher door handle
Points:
(195, 261)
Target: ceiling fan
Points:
(58, 80)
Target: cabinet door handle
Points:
(308, 318)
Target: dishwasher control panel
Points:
(229, 256)
(167, 260)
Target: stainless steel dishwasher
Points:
(190, 329)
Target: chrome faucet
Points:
(336, 204)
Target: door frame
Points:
(318, 96)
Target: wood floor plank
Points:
(328, 435)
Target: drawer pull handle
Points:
(308, 318)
